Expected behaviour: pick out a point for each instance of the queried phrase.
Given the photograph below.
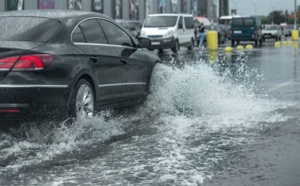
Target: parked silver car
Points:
(271, 32)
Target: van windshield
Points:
(160, 21)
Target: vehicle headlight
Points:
(169, 34)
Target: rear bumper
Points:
(243, 39)
(266, 36)
(24, 102)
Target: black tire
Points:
(256, 42)
(260, 42)
(160, 51)
(176, 47)
(191, 47)
(82, 93)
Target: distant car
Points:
(271, 32)
(134, 27)
(246, 29)
(69, 64)
(169, 31)
(289, 29)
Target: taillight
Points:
(9, 111)
(26, 62)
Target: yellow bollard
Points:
(277, 44)
(228, 49)
(295, 35)
(240, 47)
(249, 46)
(212, 40)
(283, 42)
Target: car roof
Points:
(53, 14)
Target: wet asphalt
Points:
(223, 135)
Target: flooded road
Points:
(207, 115)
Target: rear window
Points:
(240, 22)
(27, 28)
(248, 22)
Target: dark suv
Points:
(246, 29)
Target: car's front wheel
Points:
(82, 100)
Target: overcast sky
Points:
(263, 7)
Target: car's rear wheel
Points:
(232, 42)
(191, 47)
(260, 42)
(82, 100)
(176, 47)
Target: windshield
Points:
(160, 21)
(130, 25)
(272, 27)
(27, 28)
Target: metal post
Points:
(255, 5)
(295, 15)
(272, 14)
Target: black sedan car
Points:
(69, 63)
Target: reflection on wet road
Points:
(204, 108)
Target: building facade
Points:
(207, 8)
(123, 9)
(223, 8)
(116, 9)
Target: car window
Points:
(238, 22)
(248, 22)
(180, 22)
(27, 28)
(189, 22)
(160, 21)
(115, 35)
(77, 36)
(92, 32)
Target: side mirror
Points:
(144, 42)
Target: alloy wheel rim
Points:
(84, 102)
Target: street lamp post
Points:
(234, 4)
(255, 5)
(272, 14)
(295, 15)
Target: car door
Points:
(189, 26)
(181, 30)
(103, 58)
(134, 69)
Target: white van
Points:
(169, 31)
